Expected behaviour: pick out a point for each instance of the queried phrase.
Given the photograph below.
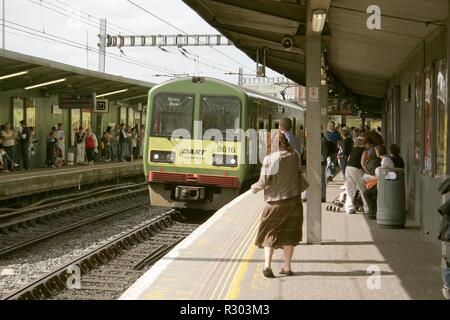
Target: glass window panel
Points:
(18, 113)
(87, 119)
(131, 117)
(172, 112)
(30, 113)
(441, 130)
(75, 120)
(428, 119)
(123, 115)
(220, 113)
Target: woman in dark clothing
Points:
(51, 149)
(345, 148)
(282, 217)
(395, 156)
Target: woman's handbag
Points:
(371, 183)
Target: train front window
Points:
(172, 112)
(220, 113)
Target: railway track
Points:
(31, 225)
(106, 272)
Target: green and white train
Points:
(188, 167)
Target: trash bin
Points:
(70, 157)
(391, 198)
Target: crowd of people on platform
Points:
(17, 146)
(122, 143)
(359, 154)
(14, 142)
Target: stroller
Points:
(338, 203)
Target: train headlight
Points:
(162, 156)
(224, 160)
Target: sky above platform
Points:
(67, 31)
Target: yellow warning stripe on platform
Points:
(235, 288)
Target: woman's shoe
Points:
(267, 272)
(287, 273)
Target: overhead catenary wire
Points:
(81, 19)
(97, 18)
(180, 30)
(88, 22)
(81, 46)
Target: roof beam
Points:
(259, 42)
(288, 11)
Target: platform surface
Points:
(357, 260)
(20, 183)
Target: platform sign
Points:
(313, 94)
(101, 106)
(77, 101)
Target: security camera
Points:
(287, 43)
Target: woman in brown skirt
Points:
(282, 217)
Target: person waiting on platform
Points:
(324, 157)
(141, 141)
(285, 128)
(135, 142)
(25, 144)
(282, 217)
(6, 163)
(354, 174)
(51, 149)
(345, 148)
(91, 146)
(371, 192)
(107, 144)
(333, 136)
(9, 141)
(395, 156)
(61, 146)
(129, 144)
(80, 140)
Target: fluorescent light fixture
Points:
(13, 75)
(318, 20)
(45, 84)
(110, 93)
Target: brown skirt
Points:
(281, 224)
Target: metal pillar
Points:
(324, 106)
(313, 154)
(241, 76)
(102, 46)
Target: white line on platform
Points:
(144, 282)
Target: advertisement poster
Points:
(418, 120)
(441, 124)
(428, 119)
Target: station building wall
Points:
(423, 198)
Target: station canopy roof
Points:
(360, 61)
(78, 80)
